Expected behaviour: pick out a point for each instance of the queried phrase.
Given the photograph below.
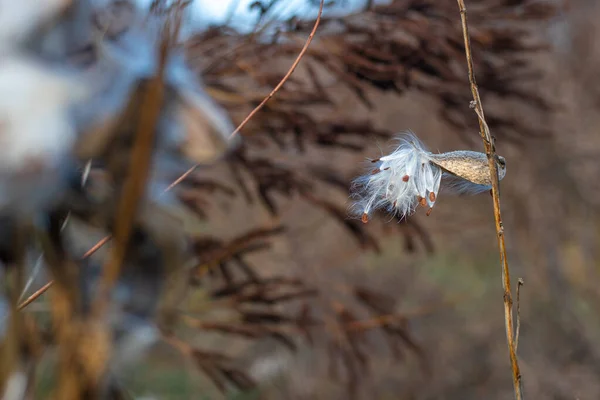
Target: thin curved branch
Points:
(269, 96)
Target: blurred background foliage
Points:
(291, 299)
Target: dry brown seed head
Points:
(364, 218)
(405, 178)
(431, 196)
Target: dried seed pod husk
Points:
(469, 165)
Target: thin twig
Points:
(39, 262)
(269, 96)
(96, 247)
(490, 151)
(519, 284)
(34, 296)
(287, 76)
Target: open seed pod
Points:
(469, 165)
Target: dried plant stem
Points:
(269, 96)
(35, 295)
(287, 75)
(139, 165)
(135, 184)
(490, 151)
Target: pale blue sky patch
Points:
(241, 17)
(215, 12)
(239, 14)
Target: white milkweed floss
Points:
(411, 176)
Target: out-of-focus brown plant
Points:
(405, 45)
(402, 46)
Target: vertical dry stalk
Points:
(135, 183)
(490, 151)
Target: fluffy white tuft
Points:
(400, 181)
